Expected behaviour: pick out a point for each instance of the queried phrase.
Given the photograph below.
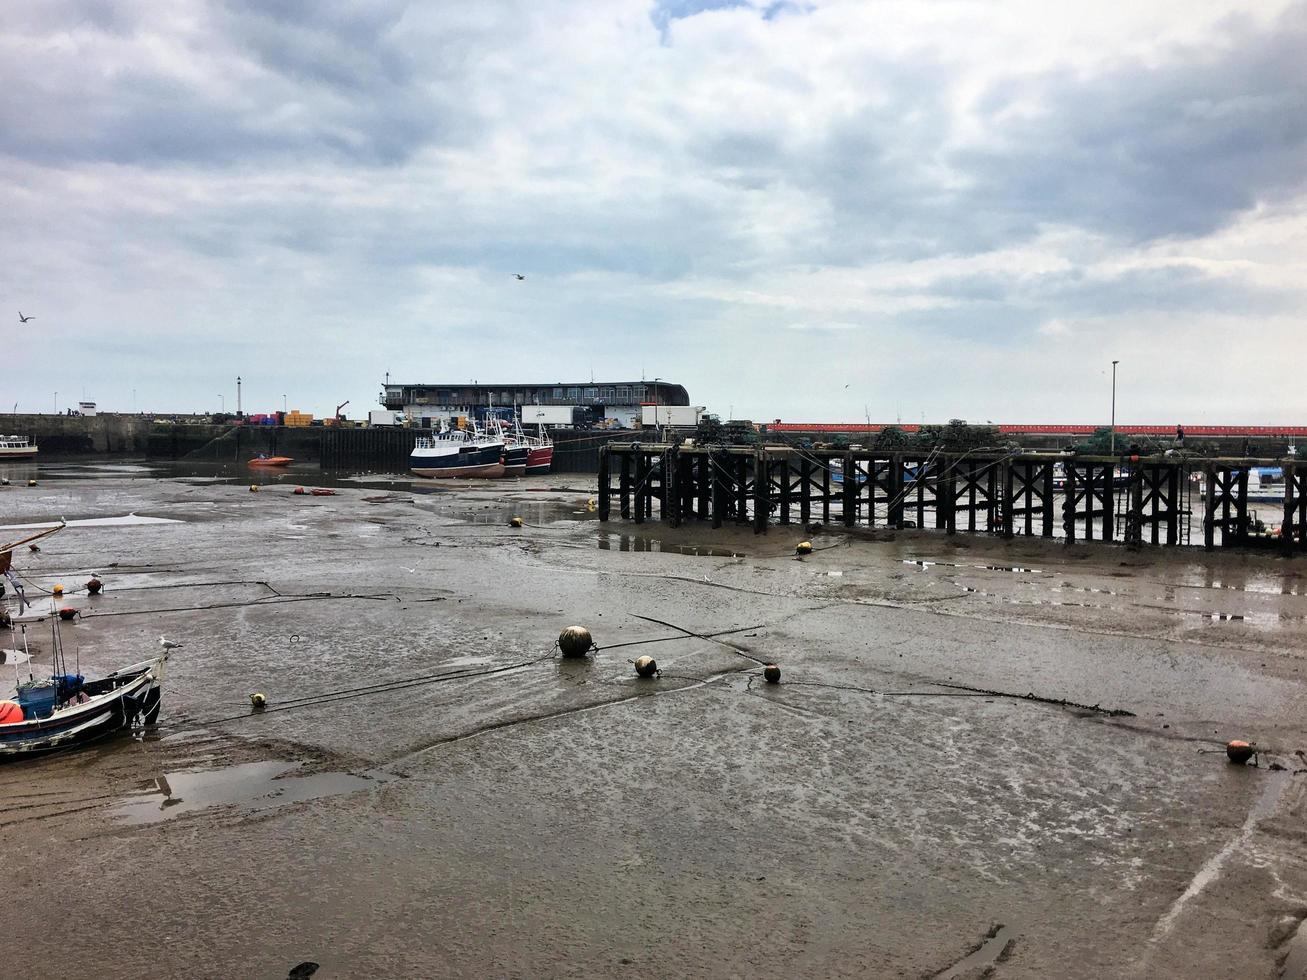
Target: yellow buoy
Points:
(254, 488)
(515, 522)
(772, 674)
(258, 701)
(592, 505)
(803, 548)
(646, 666)
(575, 641)
(58, 589)
(31, 483)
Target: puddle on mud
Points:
(250, 786)
(926, 563)
(626, 542)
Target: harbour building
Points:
(605, 404)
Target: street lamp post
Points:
(1113, 437)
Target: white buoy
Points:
(575, 641)
(646, 666)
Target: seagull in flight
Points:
(519, 276)
(24, 319)
(168, 644)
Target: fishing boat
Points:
(457, 453)
(265, 460)
(540, 450)
(64, 710)
(16, 447)
(516, 451)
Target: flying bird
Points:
(519, 276)
(168, 644)
(24, 319)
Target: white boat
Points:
(16, 447)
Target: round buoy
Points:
(1240, 752)
(254, 488)
(58, 589)
(515, 522)
(94, 586)
(771, 674)
(646, 666)
(803, 548)
(299, 491)
(31, 483)
(575, 641)
(11, 712)
(67, 613)
(258, 701)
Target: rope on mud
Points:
(382, 687)
(704, 636)
(964, 691)
(272, 600)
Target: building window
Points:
(624, 394)
(590, 394)
(558, 393)
(573, 394)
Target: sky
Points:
(818, 210)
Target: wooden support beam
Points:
(761, 493)
(1209, 509)
(894, 487)
(850, 488)
(805, 481)
(719, 488)
(624, 487)
(671, 500)
(641, 491)
(605, 487)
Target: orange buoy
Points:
(1240, 752)
(299, 491)
(11, 712)
(67, 613)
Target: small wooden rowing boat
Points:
(262, 460)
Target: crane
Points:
(340, 406)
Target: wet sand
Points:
(891, 804)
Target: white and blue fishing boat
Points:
(458, 453)
(63, 710)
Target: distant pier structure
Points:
(1136, 500)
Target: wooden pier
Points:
(1148, 500)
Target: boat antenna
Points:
(28, 653)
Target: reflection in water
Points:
(632, 542)
(251, 786)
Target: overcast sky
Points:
(806, 210)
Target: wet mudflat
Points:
(432, 792)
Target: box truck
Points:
(548, 415)
(680, 416)
(384, 418)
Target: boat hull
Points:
(273, 461)
(539, 460)
(465, 461)
(137, 697)
(17, 454)
(515, 460)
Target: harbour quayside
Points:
(65, 710)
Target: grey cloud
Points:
(1145, 153)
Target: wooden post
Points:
(671, 499)
(850, 488)
(741, 488)
(894, 517)
(761, 492)
(1241, 506)
(1288, 533)
(805, 482)
(624, 486)
(718, 488)
(641, 483)
(1069, 503)
(783, 465)
(825, 491)
(605, 490)
(1005, 505)
(1209, 510)
(946, 497)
